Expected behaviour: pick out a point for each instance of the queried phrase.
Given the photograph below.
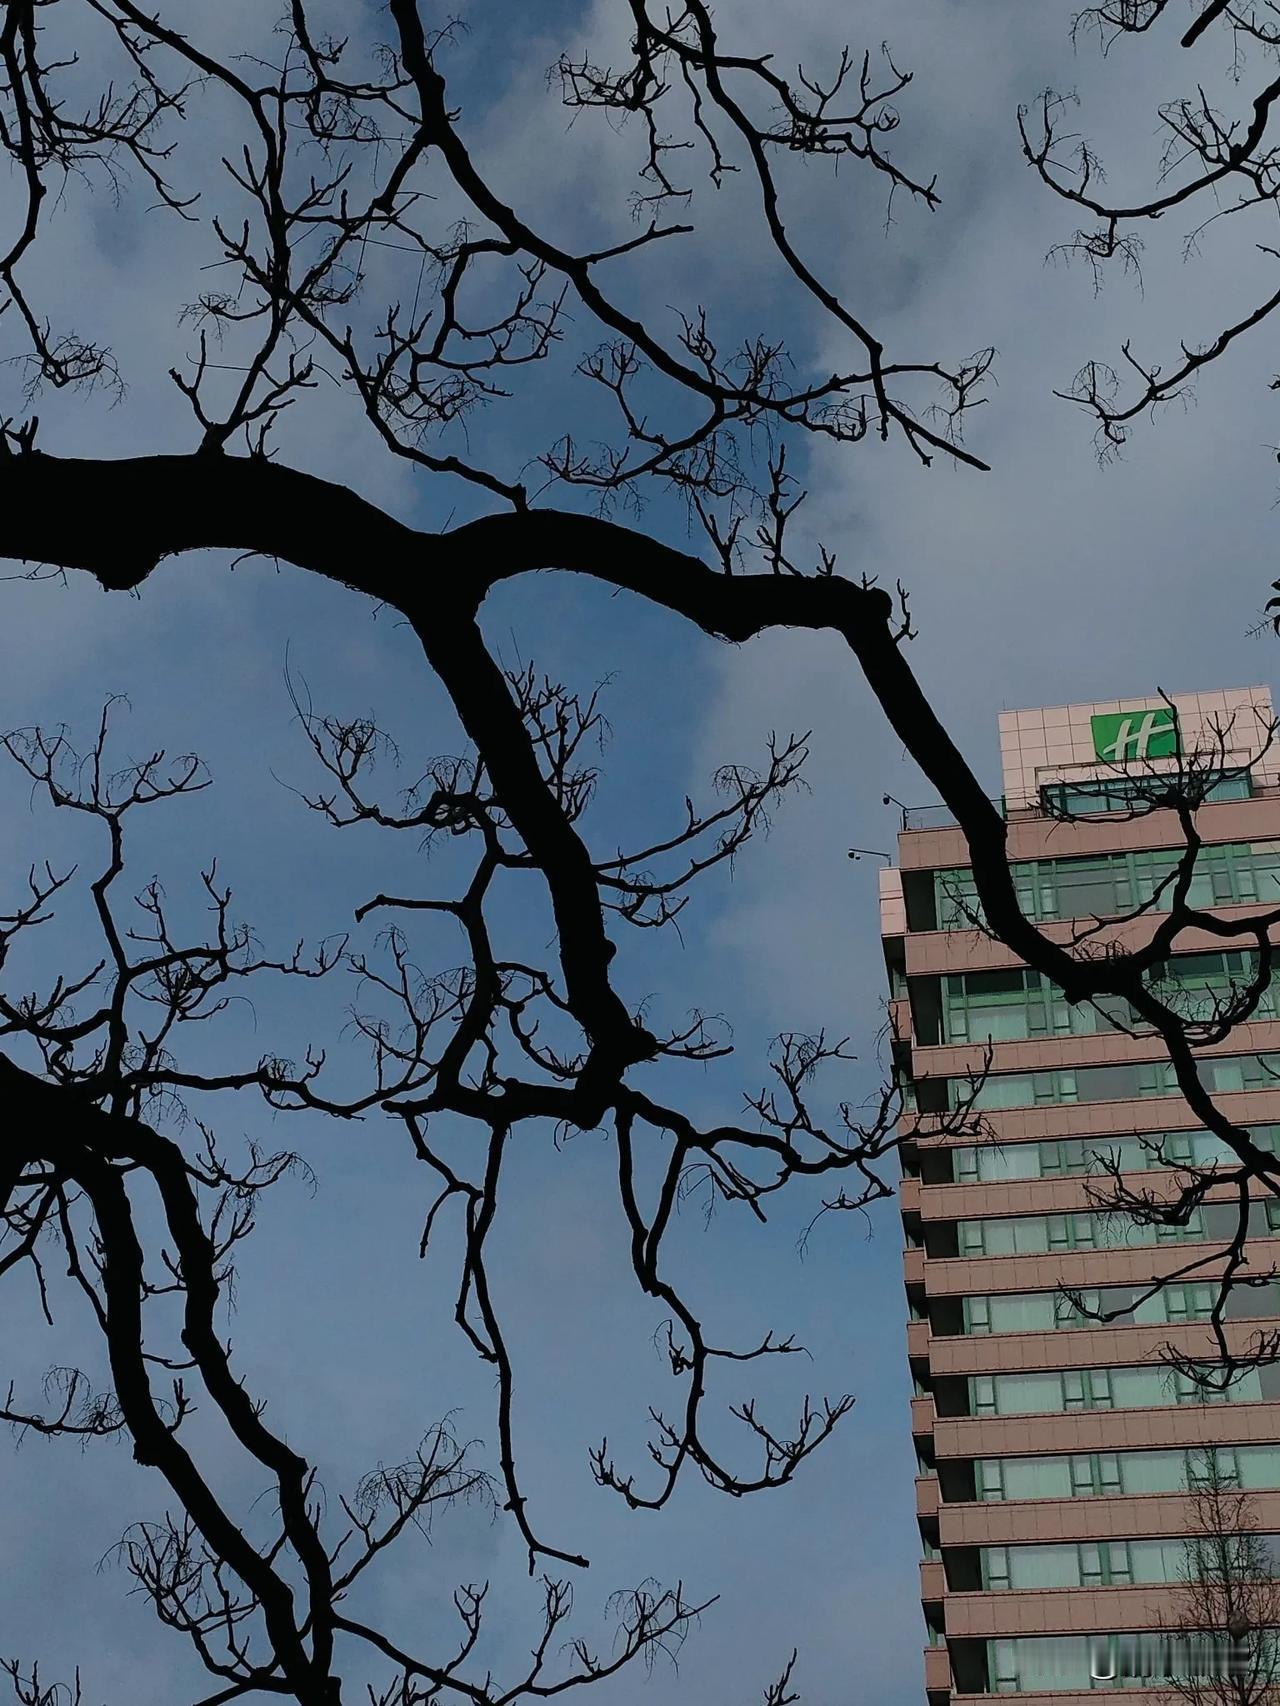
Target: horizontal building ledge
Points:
(922, 1416)
(932, 953)
(1059, 1611)
(1035, 837)
(1052, 1054)
(1177, 1425)
(1077, 1347)
(957, 1276)
(1134, 1516)
(928, 1495)
(1061, 1194)
(937, 1670)
(1112, 1697)
(1091, 1119)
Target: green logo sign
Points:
(1134, 735)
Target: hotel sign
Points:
(1130, 736)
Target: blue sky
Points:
(1049, 579)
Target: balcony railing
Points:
(938, 816)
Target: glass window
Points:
(1258, 1465)
(1091, 1307)
(977, 1315)
(1188, 1302)
(1129, 794)
(996, 1161)
(1083, 1476)
(1114, 1563)
(1187, 1391)
(1088, 888)
(1053, 1159)
(1202, 986)
(1005, 1672)
(1074, 1664)
(1042, 1566)
(1094, 1389)
(1225, 874)
(1024, 1312)
(1176, 1149)
(1088, 1475)
(971, 1237)
(1020, 1394)
(1039, 1666)
(1080, 1309)
(1152, 1471)
(988, 1475)
(995, 1566)
(1037, 1478)
(1038, 1234)
(1114, 1083)
(1012, 1005)
(1075, 1395)
(1202, 1465)
(1107, 1472)
(1154, 1560)
(1139, 1388)
(955, 899)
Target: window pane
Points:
(1137, 1388)
(1042, 1566)
(1022, 1312)
(1028, 1394)
(989, 1478)
(1083, 1477)
(1152, 1471)
(1259, 1465)
(1037, 1478)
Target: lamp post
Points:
(890, 800)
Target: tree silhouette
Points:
(1229, 1605)
(361, 245)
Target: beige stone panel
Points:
(1037, 837)
(1111, 1048)
(958, 1275)
(1092, 1119)
(1099, 1430)
(930, 953)
(1058, 1611)
(893, 910)
(1079, 1347)
(1113, 1697)
(1061, 1194)
(1144, 1516)
(937, 1670)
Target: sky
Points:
(1050, 579)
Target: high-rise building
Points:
(1055, 1453)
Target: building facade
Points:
(1055, 1452)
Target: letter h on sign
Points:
(1132, 736)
